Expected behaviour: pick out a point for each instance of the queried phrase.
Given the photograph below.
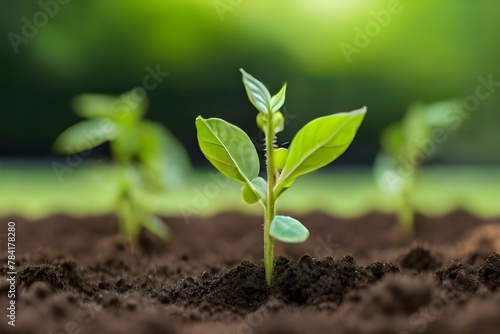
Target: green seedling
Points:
(232, 152)
(405, 146)
(150, 158)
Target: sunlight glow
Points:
(332, 6)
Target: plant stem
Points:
(406, 212)
(270, 206)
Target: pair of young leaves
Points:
(317, 144)
(151, 158)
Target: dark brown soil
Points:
(359, 275)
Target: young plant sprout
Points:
(150, 158)
(406, 145)
(232, 152)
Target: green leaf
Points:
(156, 226)
(436, 113)
(126, 143)
(163, 155)
(228, 148)
(132, 105)
(278, 100)
(386, 174)
(415, 127)
(257, 93)
(393, 139)
(259, 187)
(278, 121)
(85, 135)
(318, 143)
(94, 105)
(288, 229)
(248, 195)
(127, 107)
(280, 157)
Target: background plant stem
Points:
(270, 207)
(405, 213)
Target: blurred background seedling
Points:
(405, 146)
(150, 159)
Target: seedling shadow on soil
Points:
(362, 275)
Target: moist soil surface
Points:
(360, 275)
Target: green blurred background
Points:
(399, 52)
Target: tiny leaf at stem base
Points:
(288, 229)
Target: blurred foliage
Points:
(91, 190)
(151, 160)
(405, 146)
(423, 51)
